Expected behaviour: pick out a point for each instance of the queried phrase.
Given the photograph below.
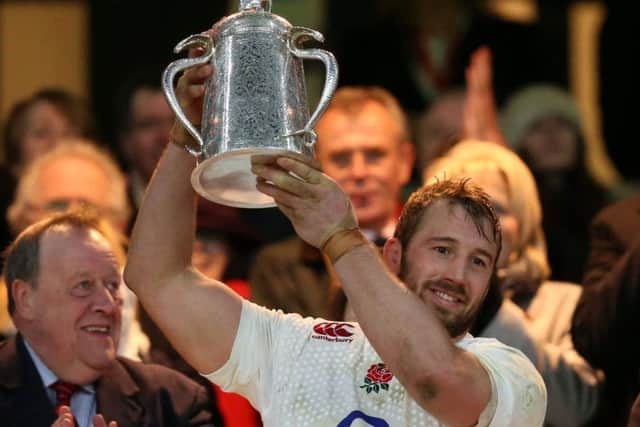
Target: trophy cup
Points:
(255, 103)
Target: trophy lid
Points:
(254, 16)
(258, 5)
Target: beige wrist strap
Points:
(342, 242)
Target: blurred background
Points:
(90, 47)
(579, 139)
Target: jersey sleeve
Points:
(249, 369)
(519, 396)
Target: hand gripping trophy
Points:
(256, 103)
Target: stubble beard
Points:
(456, 323)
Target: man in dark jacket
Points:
(63, 278)
(606, 318)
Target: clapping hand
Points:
(65, 419)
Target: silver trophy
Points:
(256, 103)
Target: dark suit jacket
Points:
(291, 276)
(131, 393)
(606, 324)
(294, 277)
(611, 233)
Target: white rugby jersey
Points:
(312, 372)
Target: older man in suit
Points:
(63, 278)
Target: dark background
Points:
(126, 36)
(372, 49)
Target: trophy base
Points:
(227, 179)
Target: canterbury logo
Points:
(333, 331)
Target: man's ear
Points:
(23, 298)
(392, 254)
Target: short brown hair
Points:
(22, 257)
(352, 99)
(457, 192)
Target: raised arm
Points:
(405, 332)
(198, 315)
(480, 116)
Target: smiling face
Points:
(364, 154)
(72, 316)
(448, 264)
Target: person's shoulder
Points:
(554, 289)
(510, 320)
(521, 394)
(493, 352)
(151, 376)
(283, 248)
(253, 312)
(8, 354)
(505, 362)
(167, 394)
(630, 204)
(293, 252)
(304, 328)
(555, 297)
(481, 344)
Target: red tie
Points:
(63, 390)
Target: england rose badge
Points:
(378, 378)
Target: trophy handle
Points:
(301, 34)
(174, 68)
